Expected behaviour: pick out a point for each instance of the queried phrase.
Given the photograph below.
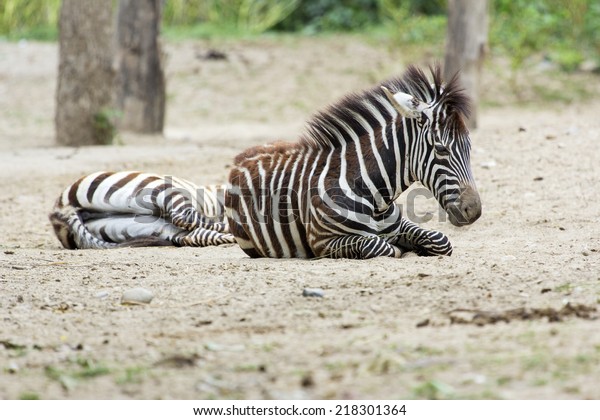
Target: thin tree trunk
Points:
(466, 45)
(141, 94)
(86, 76)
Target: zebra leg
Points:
(202, 237)
(188, 218)
(139, 231)
(424, 242)
(359, 247)
(129, 230)
(73, 233)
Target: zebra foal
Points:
(332, 193)
(112, 209)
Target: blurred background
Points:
(565, 33)
(285, 59)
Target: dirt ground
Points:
(512, 314)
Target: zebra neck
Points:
(371, 172)
(370, 169)
(370, 140)
(387, 167)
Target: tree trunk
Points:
(86, 76)
(466, 45)
(141, 94)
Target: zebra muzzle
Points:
(466, 209)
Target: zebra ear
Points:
(408, 106)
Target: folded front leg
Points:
(188, 218)
(359, 247)
(424, 242)
(202, 237)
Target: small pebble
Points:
(136, 296)
(307, 381)
(13, 367)
(102, 295)
(479, 379)
(308, 292)
(423, 323)
(488, 165)
(572, 131)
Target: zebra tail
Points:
(71, 231)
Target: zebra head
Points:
(438, 142)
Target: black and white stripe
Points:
(110, 209)
(332, 193)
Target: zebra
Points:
(332, 193)
(128, 208)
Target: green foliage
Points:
(413, 7)
(331, 15)
(104, 125)
(252, 16)
(21, 17)
(347, 15)
(568, 59)
(565, 31)
(414, 23)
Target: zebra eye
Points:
(441, 150)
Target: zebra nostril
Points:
(471, 210)
(470, 205)
(467, 210)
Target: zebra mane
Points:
(321, 127)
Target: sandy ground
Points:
(225, 326)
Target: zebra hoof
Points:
(433, 245)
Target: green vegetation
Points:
(33, 19)
(83, 369)
(251, 16)
(566, 33)
(104, 125)
(132, 375)
(433, 390)
(29, 396)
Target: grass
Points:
(45, 33)
(29, 396)
(83, 369)
(433, 390)
(178, 33)
(565, 288)
(132, 375)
